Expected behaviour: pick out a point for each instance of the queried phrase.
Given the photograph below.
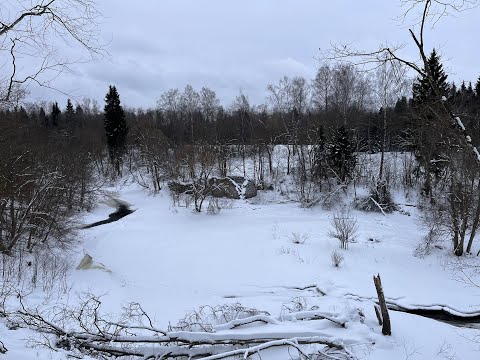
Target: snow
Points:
(460, 123)
(173, 261)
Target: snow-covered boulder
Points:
(180, 188)
(233, 187)
(230, 187)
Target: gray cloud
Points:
(244, 45)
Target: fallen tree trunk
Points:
(95, 336)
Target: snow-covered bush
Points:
(379, 199)
(336, 258)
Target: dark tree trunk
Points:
(386, 327)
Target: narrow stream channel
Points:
(462, 321)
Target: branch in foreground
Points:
(103, 338)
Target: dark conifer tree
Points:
(115, 127)
(341, 154)
(69, 114)
(477, 87)
(42, 117)
(422, 89)
(79, 116)
(453, 93)
(22, 115)
(55, 115)
(430, 136)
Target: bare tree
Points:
(322, 86)
(391, 84)
(32, 34)
(243, 111)
(343, 89)
(209, 104)
(190, 104)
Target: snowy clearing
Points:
(173, 261)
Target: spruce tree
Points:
(430, 135)
(79, 116)
(55, 114)
(477, 87)
(69, 113)
(341, 155)
(42, 117)
(115, 127)
(423, 91)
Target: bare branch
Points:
(33, 32)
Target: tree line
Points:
(55, 159)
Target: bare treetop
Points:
(35, 37)
(436, 9)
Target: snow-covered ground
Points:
(174, 261)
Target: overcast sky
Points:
(232, 45)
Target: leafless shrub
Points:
(275, 232)
(332, 197)
(446, 351)
(293, 252)
(298, 238)
(225, 203)
(336, 258)
(307, 192)
(44, 267)
(297, 304)
(344, 228)
(207, 317)
(432, 237)
(379, 199)
(432, 220)
(213, 206)
(287, 251)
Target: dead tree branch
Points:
(88, 331)
(35, 32)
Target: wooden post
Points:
(386, 328)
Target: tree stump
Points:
(385, 318)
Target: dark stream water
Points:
(463, 321)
